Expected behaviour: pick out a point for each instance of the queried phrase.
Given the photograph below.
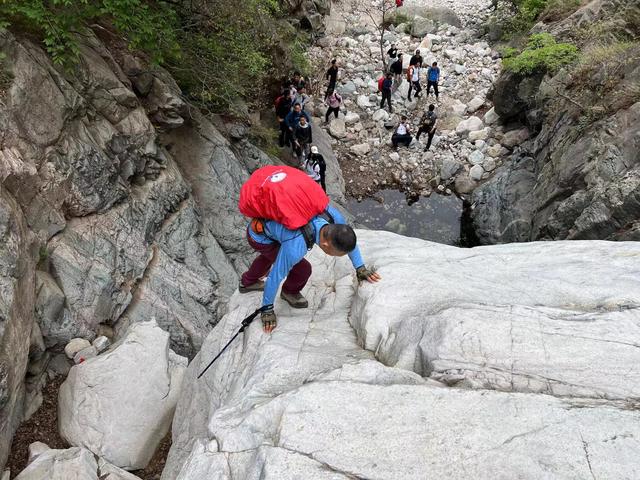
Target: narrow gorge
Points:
(122, 244)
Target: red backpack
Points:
(284, 194)
(380, 82)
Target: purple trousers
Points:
(298, 275)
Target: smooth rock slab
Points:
(120, 405)
(469, 125)
(550, 317)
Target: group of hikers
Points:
(296, 130)
(391, 81)
(289, 213)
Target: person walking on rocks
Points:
(298, 81)
(401, 134)
(413, 76)
(292, 120)
(428, 124)
(316, 167)
(302, 139)
(386, 92)
(290, 196)
(301, 97)
(433, 77)
(332, 76)
(283, 107)
(416, 58)
(392, 54)
(333, 102)
(396, 70)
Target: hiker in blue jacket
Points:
(292, 120)
(433, 77)
(283, 250)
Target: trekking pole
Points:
(245, 323)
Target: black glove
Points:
(269, 320)
(363, 273)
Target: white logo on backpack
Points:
(277, 177)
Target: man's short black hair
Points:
(342, 237)
(432, 107)
(333, 61)
(435, 63)
(296, 74)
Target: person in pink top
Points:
(333, 101)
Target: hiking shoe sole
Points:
(256, 287)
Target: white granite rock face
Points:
(119, 405)
(528, 331)
(71, 464)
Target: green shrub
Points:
(542, 54)
(219, 51)
(58, 22)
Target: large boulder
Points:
(471, 124)
(17, 304)
(71, 464)
(366, 368)
(513, 94)
(421, 26)
(119, 405)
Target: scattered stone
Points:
(85, 354)
(463, 184)
(515, 137)
(380, 115)
(360, 149)
(476, 172)
(101, 343)
(458, 108)
(489, 164)
(74, 346)
(363, 101)
(479, 134)
(351, 118)
(450, 167)
(476, 157)
(469, 125)
(337, 128)
(460, 69)
(394, 156)
(491, 117)
(475, 104)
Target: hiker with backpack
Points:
(413, 77)
(428, 124)
(433, 77)
(333, 102)
(283, 107)
(292, 120)
(401, 134)
(290, 214)
(386, 92)
(396, 70)
(302, 139)
(316, 167)
(332, 76)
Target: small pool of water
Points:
(436, 218)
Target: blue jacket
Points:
(293, 248)
(387, 84)
(293, 118)
(433, 74)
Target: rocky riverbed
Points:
(469, 144)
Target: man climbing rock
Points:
(288, 195)
(433, 77)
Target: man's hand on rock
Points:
(371, 276)
(269, 320)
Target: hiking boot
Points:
(296, 300)
(256, 287)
